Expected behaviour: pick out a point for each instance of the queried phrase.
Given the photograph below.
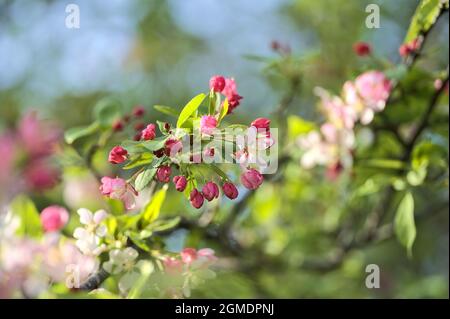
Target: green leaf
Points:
(139, 160)
(30, 222)
(223, 111)
(106, 111)
(72, 134)
(141, 243)
(166, 110)
(424, 18)
(144, 178)
(383, 163)
(298, 126)
(155, 144)
(161, 126)
(133, 147)
(190, 108)
(151, 211)
(405, 228)
(163, 225)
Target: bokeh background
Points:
(164, 52)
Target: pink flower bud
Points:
(139, 111)
(208, 124)
(163, 173)
(196, 198)
(172, 147)
(261, 123)
(54, 218)
(252, 179)
(117, 155)
(117, 126)
(210, 191)
(149, 132)
(217, 83)
(188, 255)
(230, 190)
(180, 183)
(362, 48)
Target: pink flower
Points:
(54, 218)
(173, 265)
(208, 124)
(139, 111)
(40, 175)
(207, 255)
(217, 83)
(230, 92)
(163, 173)
(252, 179)
(196, 198)
(37, 136)
(180, 183)
(408, 48)
(362, 48)
(117, 155)
(172, 147)
(149, 132)
(262, 124)
(210, 191)
(230, 190)
(334, 170)
(374, 89)
(188, 255)
(118, 188)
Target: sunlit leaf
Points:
(404, 224)
(25, 210)
(151, 211)
(73, 134)
(190, 108)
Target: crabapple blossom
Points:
(41, 175)
(230, 92)
(117, 155)
(208, 124)
(54, 218)
(374, 88)
(408, 48)
(139, 111)
(173, 265)
(121, 260)
(230, 190)
(172, 147)
(252, 179)
(117, 126)
(217, 83)
(163, 173)
(180, 182)
(149, 132)
(210, 191)
(88, 237)
(196, 198)
(362, 48)
(118, 188)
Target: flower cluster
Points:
(192, 267)
(175, 149)
(26, 151)
(332, 145)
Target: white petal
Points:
(80, 233)
(85, 216)
(101, 231)
(99, 216)
(131, 253)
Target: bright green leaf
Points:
(144, 178)
(30, 222)
(72, 134)
(151, 211)
(404, 224)
(298, 126)
(424, 18)
(166, 110)
(190, 108)
(223, 110)
(139, 160)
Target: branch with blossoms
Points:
(196, 147)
